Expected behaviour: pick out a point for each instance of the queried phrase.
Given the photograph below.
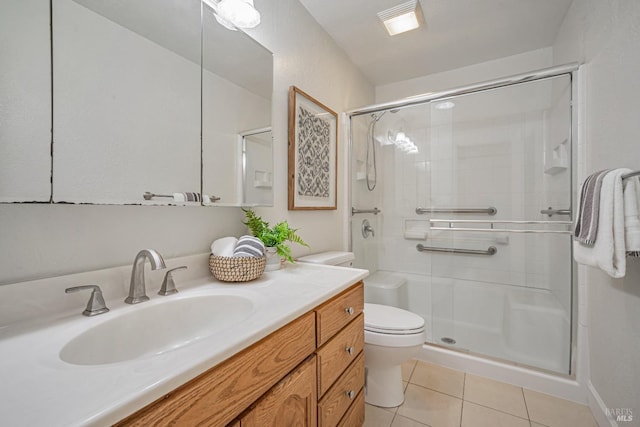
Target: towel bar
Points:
(491, 250)
(374, 211)
(631, 175)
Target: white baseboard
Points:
(598, 407)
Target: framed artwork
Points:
(313, 156)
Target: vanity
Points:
(292, 353)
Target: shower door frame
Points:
(572, 70)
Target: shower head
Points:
(377, 117)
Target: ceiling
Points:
(457, 33)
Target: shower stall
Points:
(466, 196)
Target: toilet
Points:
(391, 337)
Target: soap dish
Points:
(236, 269)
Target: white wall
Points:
(306, 57)
(489, 70)
(605, 35)
(43, 240)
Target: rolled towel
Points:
(249, 246)
(224, 246)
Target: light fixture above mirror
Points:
(234, 14)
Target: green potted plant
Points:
(274, 238)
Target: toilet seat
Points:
(389, 320)
(392, 327)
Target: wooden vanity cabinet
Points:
(340, 339)
(308, 373)
(292, 402)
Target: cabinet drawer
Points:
(355, 415)
(222, 393)
(337, 354)
(335, 314)
(337, 400)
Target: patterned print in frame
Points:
(312, 153)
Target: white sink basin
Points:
(153, 329)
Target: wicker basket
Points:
(236, 269)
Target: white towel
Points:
(609, 251)
(632, 216)
(224, 246)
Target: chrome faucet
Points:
(137, 289)
(96, 304)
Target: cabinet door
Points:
(292, 402)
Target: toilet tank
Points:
(337, 258)
(386, 288)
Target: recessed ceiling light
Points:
(402, 18)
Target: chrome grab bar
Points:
(551, 212)
(631, 175)
(374, 211)
(499, 230)
(491, 250)
(489, 211)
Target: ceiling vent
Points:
(402, 18)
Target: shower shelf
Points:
(491, 228)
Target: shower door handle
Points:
(552, 212)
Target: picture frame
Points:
(313, 153)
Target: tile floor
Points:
(436, 396)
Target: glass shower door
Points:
(501, 161)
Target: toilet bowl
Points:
(391, 335)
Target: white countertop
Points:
(39, 389)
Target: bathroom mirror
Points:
(25, 101)
(126, 99)
(136, 84)
(257, 167)
(237, 85)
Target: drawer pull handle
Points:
(351, 394)
(349, 310)
(349, 350)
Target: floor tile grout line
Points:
(526, 407)
(415, 363)
(497, 410)
(437, 391)
(464, 382)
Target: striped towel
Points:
(249, 246)
(586, 229)
(187, 197)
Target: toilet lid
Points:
(391, 320)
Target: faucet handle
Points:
(168, 284)
(96, 304)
